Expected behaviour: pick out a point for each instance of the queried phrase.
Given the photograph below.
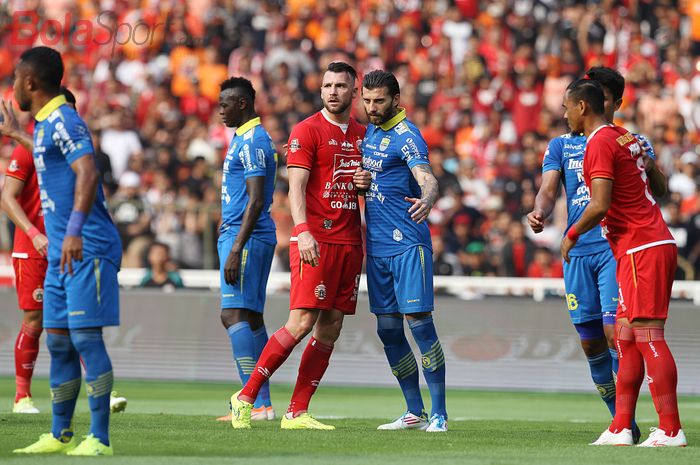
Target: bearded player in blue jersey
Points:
(81, 291)
(590, 279)
(402, 191)
(247, 235)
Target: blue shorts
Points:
(256, 259)
(87, 299)
(401, 284)
(591, 287)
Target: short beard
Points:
(340, 109)
(25, 105)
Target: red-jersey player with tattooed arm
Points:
(646, 254)
(325, 250)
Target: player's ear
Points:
(618, 104)
(395, 100)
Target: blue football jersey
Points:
(60, 138)
(565, 154)
(389, 152)
(251, 153)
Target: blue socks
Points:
(602, 374)
(615, 360)
(433, 361)
(259, 341)
(98, 378)
(64, 379)
(401, 360)
(243, 349)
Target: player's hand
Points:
(419, 210)
(41, 244)
(308, 248)
(362, 179)
(72, 249)
(9, 124)
(536, 221)
(566, 246)
(232, 267)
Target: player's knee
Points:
(58, 343)
(593, 347)
(302, 325)
(329, 331)
(231, 316)
(390, 329)
(255, 320)
(33, 319)
(84, 339)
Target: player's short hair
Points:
(46, 65)
(379, 78)
(342, 67)
(70, 98)
(242, 84)
(608, 78)
(589, 91)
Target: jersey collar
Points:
(598, 129)
(248, 126)
(51, 106)
(396, 119)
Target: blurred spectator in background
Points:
(160, 270)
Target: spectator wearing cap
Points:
(474, 260)
(129, 210)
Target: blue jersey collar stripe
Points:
(248, 126)
(396, 119)
(50, 107)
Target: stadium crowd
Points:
(483, 80)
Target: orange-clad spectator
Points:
(210, 74)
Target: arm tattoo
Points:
(427, 182)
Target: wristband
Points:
(75, 223)
(33, 232)
(300, 228)
(572, 233)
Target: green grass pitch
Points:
(173, 423)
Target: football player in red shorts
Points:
(20, 200)
(614, 171)
(325, 251)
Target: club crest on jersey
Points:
(358, 144)
(398, 235)
(294, 145)
(320, 291)
(327, 224)
(384, 143)
(38, 295)
(14, 166)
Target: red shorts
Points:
(645, 279)
(333, 284)
(29, 281)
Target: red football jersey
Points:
(634, 220)
(331, 155)
(22, 167)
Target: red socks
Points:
(26, 351)
(661, 376)
(629, 378)
(637, 347)
(313, 365)
(272, 357)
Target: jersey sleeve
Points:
(301, 148)
(414, 150)
(21, 164)
(552, 156)
(646, 145)
(601, 159)
(73, 138)
(252, 156)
